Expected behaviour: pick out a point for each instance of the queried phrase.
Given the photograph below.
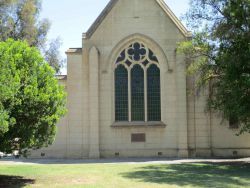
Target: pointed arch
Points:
(150, 43)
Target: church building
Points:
(128, 94)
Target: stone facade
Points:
(89, 129)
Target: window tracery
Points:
(137, 84)
(136, 52)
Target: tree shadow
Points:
(14, 181)
(196, 174)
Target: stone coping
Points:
(74, 51)
(61, 77)
(139, 124)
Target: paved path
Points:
(118, 161)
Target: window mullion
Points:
(145, 95)
(129, 95)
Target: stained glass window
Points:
(121, 93)
(137, 94)
(137, 55)
(153, 93)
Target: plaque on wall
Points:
(138, 137)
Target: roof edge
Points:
(61, 77)
(99, 19)
(74, 51)
(174, 18)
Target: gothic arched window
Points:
(137, 85)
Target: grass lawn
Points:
(126, 175)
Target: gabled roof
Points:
(112, 3)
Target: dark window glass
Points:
(137, 94)
(121, 57)
(152, 56)
(128, 62)
(137, 51)
(154, 94)
(121, 93)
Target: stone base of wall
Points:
(57, 154)
(231, 152)
(202, 153)
(40, 154)
(219, 153)
(139, 153)
(166, 153)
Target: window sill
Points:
(138, 124)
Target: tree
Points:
(219, 53)
(9, 83)
(52, 55)
(19, 19)
(31, 100)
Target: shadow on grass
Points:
(196, 174)
(14, 181)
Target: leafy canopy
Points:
(19, 20)
(219, 53)
(31, 100)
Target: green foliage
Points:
(219, 53)
(31, 101)
(19, 20)
(52, 55)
